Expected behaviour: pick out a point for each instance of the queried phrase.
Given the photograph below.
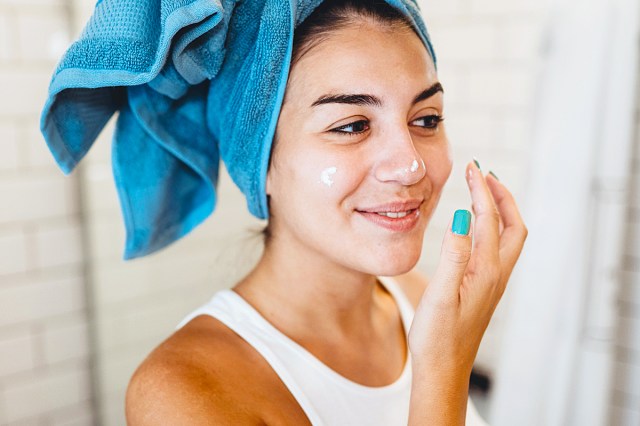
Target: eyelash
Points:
(342, 132)
(437, 119)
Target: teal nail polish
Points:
(477, 164)
(461, 222)
(493, 174)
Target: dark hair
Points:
(331, 16)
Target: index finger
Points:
(487, 222)
(514, 232)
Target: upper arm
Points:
(413, 283)
(172, 387)
(164, 394)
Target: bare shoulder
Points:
(413, 283)
(191, 378)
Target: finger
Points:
(515, 232)
(500, 224)
(487, 222)
(454, 257)
(494, 177)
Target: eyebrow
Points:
(358, 99)
(370, 100)
(427, 93)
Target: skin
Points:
(316, 281)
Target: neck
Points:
(292, 286)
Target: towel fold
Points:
(193, 81)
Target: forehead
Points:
(363, 56)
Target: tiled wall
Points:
(625, 400)
(44, 348)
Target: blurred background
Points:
(544, 93)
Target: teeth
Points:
(394, 215)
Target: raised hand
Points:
(469, 281)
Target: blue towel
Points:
(193, 81)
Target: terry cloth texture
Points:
(193, 81)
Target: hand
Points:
(461, 297)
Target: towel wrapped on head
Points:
(194, 81)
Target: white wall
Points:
(44, 348)
(625, 400)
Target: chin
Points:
(393, 270)
(401, 263)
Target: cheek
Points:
(326, 176)
(438, 162)
(321, 177)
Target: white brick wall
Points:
(47, 239)
(13, 251)
(44, 349)
(625, 401)
(65, 338)
(41, 38)
(36, 299)
(9, 137)
(17, 351)
(47, 391)
(6, 38)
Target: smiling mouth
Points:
(398, 222)
(394, 215)
(393, 207)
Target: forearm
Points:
(438, 396)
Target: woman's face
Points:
(358, 135)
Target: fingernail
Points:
(493, 174)
(477, 164)
(461, 222)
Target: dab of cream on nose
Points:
(325, 176)
(412, 169)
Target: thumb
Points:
(454, 258)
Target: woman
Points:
(318, 332)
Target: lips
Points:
(393, 207)
(398, 216)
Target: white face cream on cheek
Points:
(325, 176)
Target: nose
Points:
(399, 161)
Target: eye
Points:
(352, 129)
(428, 121)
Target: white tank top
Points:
(326, 397)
